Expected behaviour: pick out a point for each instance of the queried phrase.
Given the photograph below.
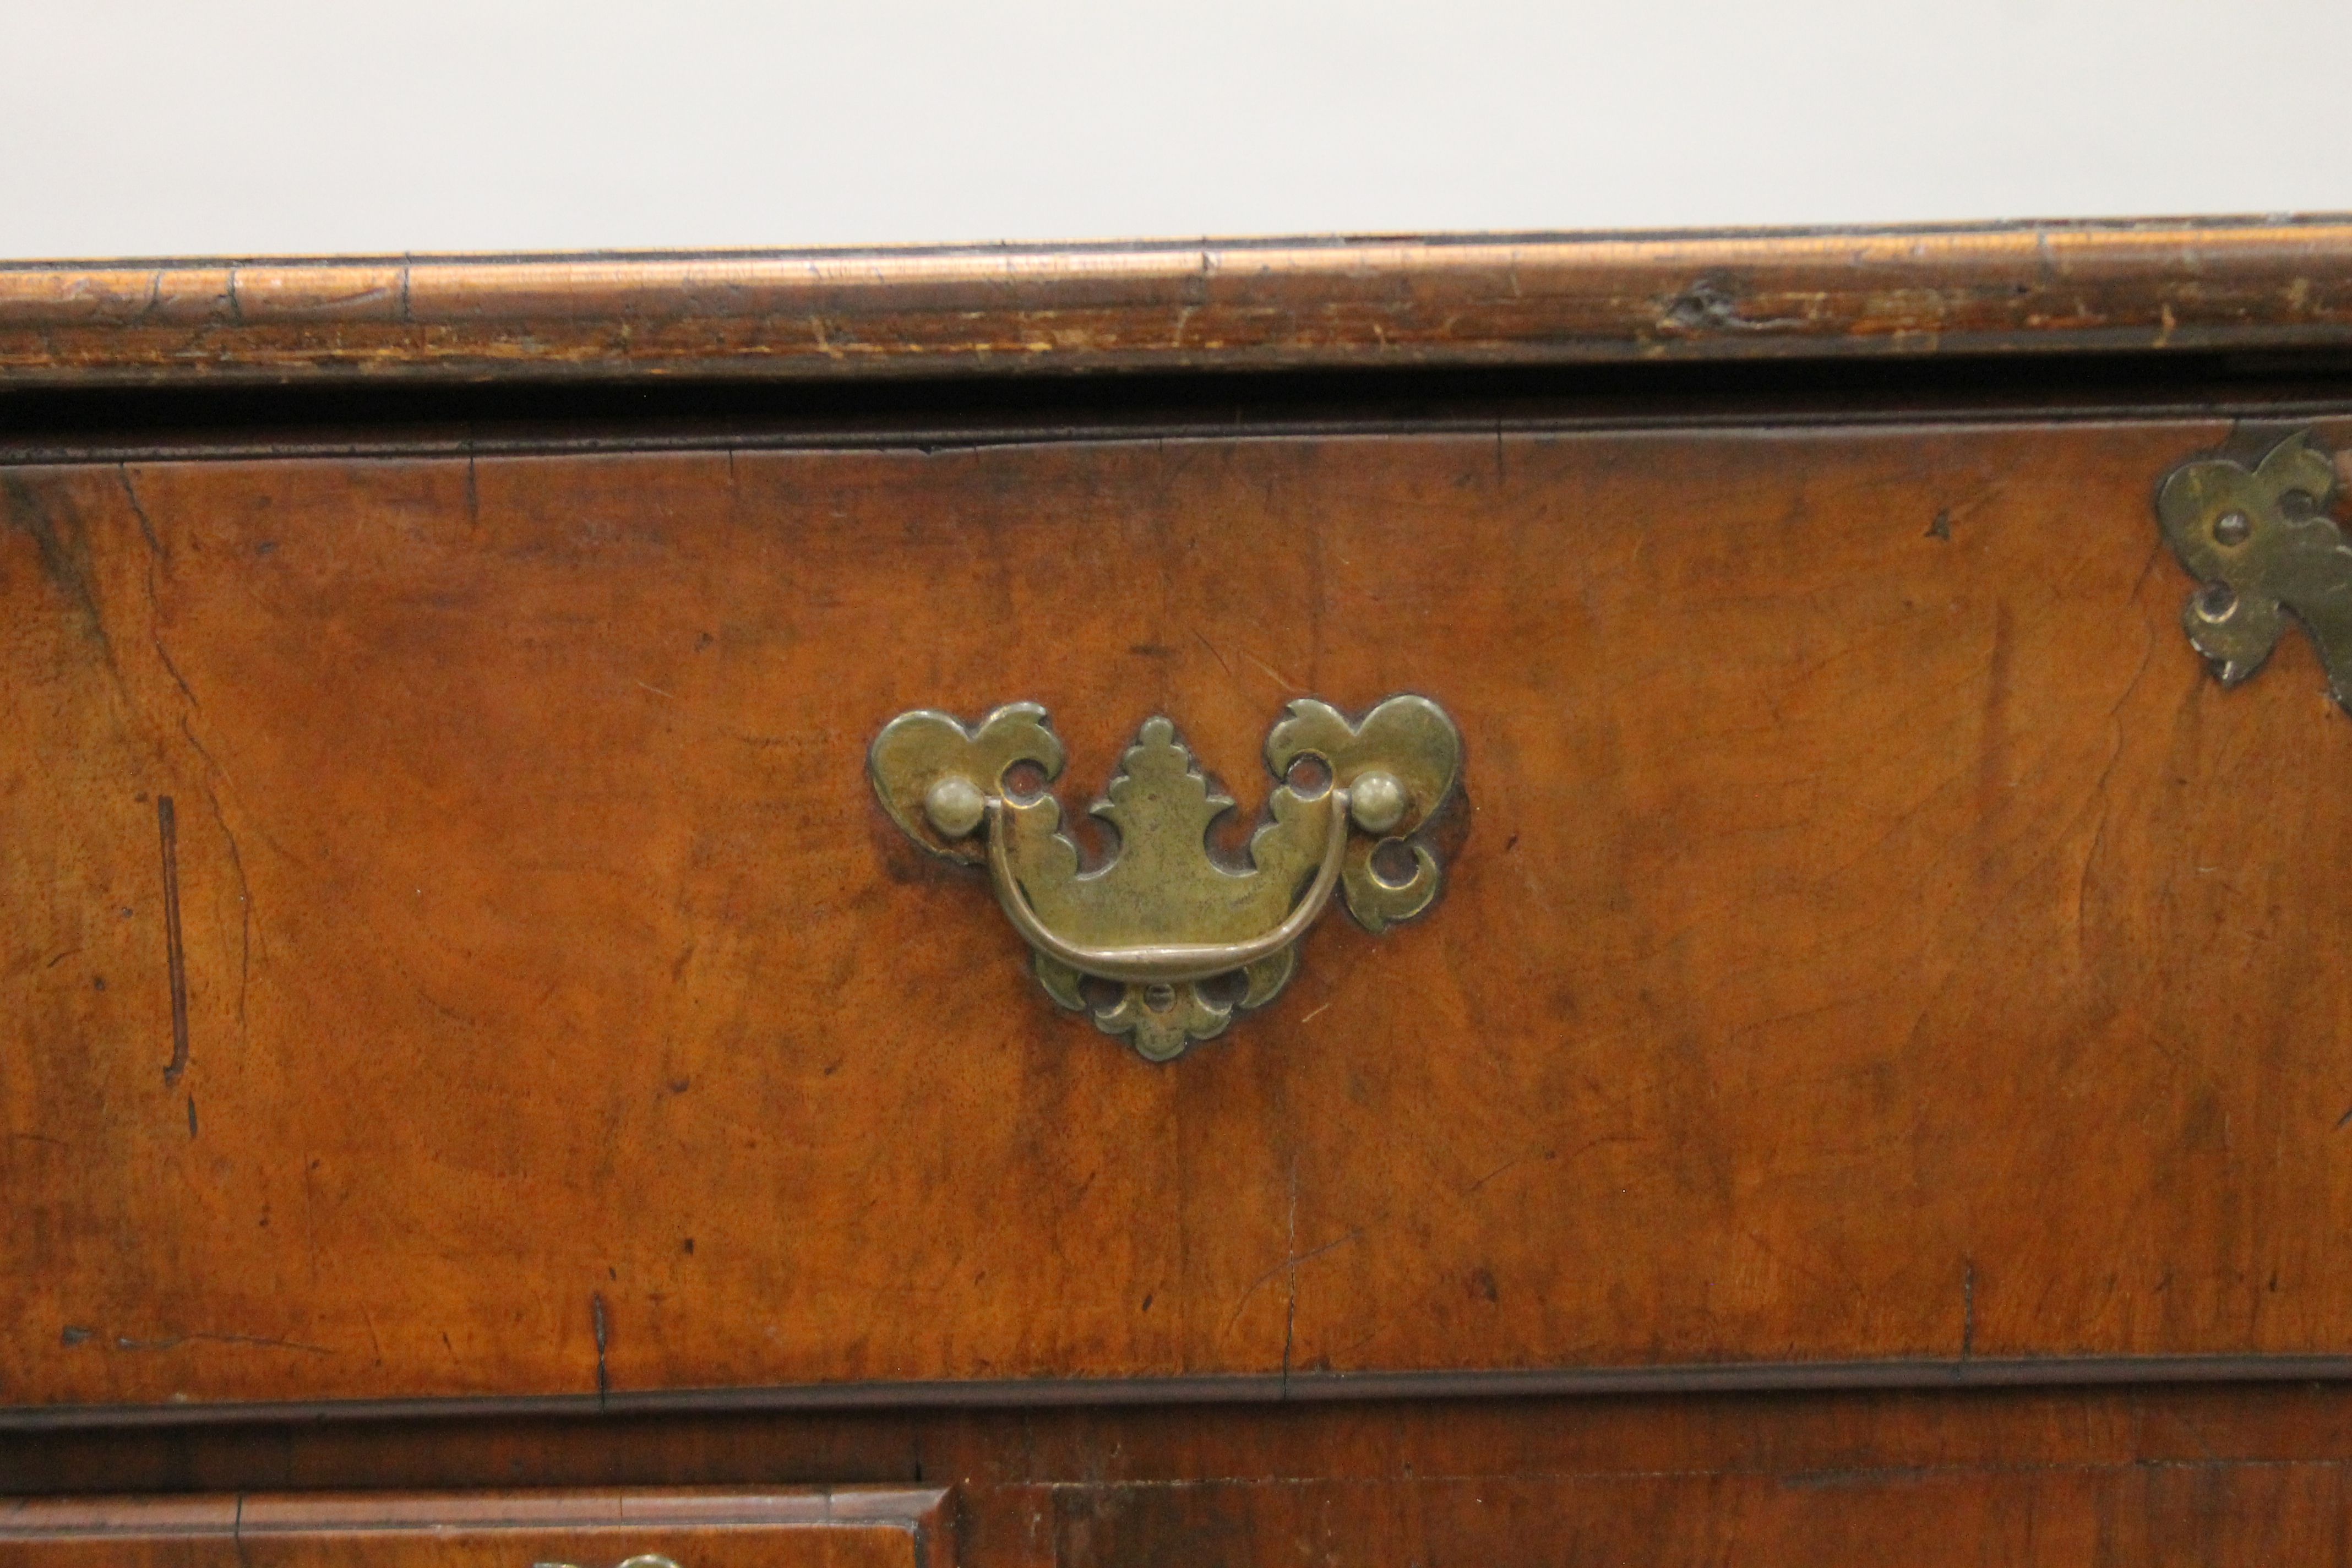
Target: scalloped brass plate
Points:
(2265, 554)
(1185, 939)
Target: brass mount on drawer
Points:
(1184, 940)
(2265, 553)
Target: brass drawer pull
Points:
(1164, 920)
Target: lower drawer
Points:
(2028, 1478)
(857, 1528)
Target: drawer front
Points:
(855, 1528)
(453, 948)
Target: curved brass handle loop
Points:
(1176, 963)
(1167, 916)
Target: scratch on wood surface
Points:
(1967, 1309)
(174, 1341)
(1290, 1264)
(236, 865)
(215, 774)
(175, 957)
(1280, 679)
(1228, 669)
(1960, 512)
(146, 524)
(596, 1316)
(1290, 1253)
(157, 555)
(1513, 1164)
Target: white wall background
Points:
(246, 127)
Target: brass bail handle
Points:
(1175, 963)
(1166, 919)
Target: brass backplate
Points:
(2264, 553)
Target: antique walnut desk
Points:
(624, 937)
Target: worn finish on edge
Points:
(859, 1527)
(1464, 300)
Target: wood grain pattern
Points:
(999, 310)
(860, 1528)
(1872, 936)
